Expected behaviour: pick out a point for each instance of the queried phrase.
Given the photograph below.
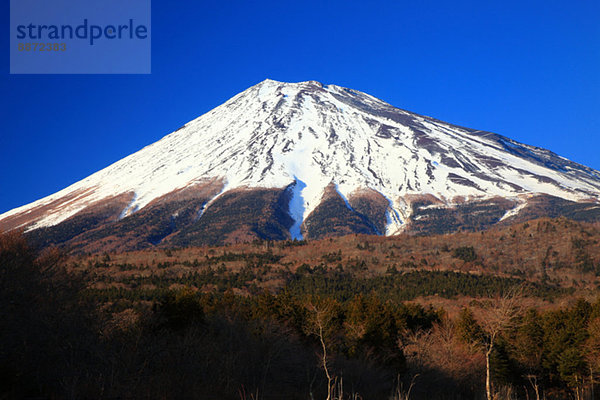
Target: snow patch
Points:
(343, 197)
(394, 222)
(130, 208)
(513, 211)
(296, 208)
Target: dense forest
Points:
(512, 313)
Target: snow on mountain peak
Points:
(307, 135)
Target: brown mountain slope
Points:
(554, 253)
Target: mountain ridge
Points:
(301, 138)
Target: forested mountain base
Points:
(346, 318)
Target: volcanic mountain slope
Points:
(303, 160)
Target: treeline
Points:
(342, 282)
(320, 337)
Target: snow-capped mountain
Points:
(306, 144)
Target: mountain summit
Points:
(305, 160)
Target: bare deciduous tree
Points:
(497, 316)
(319, 323)
(442, 359)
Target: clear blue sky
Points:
(529, 70)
